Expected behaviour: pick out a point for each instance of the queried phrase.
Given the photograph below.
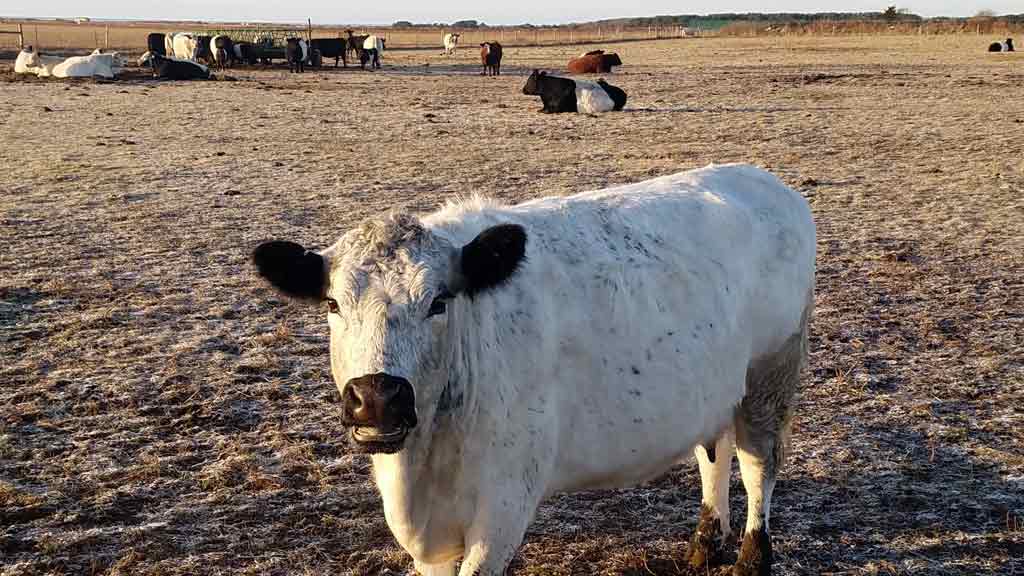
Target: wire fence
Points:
(67, 36)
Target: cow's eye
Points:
(332, 305)
(438, 306)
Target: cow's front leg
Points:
(444, 569)
(493, 540)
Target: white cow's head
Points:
(387, 286)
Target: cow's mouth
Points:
(373, 440)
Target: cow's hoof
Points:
(755, 557)
(706, 543)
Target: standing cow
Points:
(296, 52)
(331, 48)
(490, 356)
(222, 51)
(490, 58)
(451, 42)
(373, 48)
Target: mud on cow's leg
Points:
(762, 431)
(713, 528)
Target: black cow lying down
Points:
(171, 69)
(568, 95)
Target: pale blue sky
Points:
(493, 12)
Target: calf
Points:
(490, 58)
(490, 356)
(296, 52)
(331, 48)
(223, 50)
(172, 69)
(156, 42)
(595, 62)
(451, 42)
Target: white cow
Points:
(490, 356)
(186, 47)
(373, 49)
(451, 42)
(31, 62)
(96, 64)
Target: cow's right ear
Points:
(292, 269)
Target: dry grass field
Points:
(162, 412)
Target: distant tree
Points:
(986, 13)
(890, 13)
(466, 24)
(403, 24)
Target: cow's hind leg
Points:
(762, 432)
(715, 461)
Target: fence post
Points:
(35, 31)
(106, 37)
(21, 37)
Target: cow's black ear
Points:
(292, 269)
(490, 259)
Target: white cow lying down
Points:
(96, 64)
(490, 356)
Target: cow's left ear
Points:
(292, 269)
(489, 260)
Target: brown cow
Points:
(490, 58)
(594, 62)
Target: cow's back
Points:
(643, 306)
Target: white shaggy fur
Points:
(591, 98)
(622, 341)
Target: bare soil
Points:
(162, 412)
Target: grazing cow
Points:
(373, 47)
(184, 47)
(354, 43)
(331, 48)
(1001, 46)
(490, 356)
(93, 65)
(222, 50)
(171, 69)
(594, 62)
(451, 42)
(296, 52)
(204, 50)
(31, 62)
(490, 58)
(244, 52)
(156, 42)
(567, 95)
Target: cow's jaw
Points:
(372, 440)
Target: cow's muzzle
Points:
(380, 409)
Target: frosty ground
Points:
(162, 412)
